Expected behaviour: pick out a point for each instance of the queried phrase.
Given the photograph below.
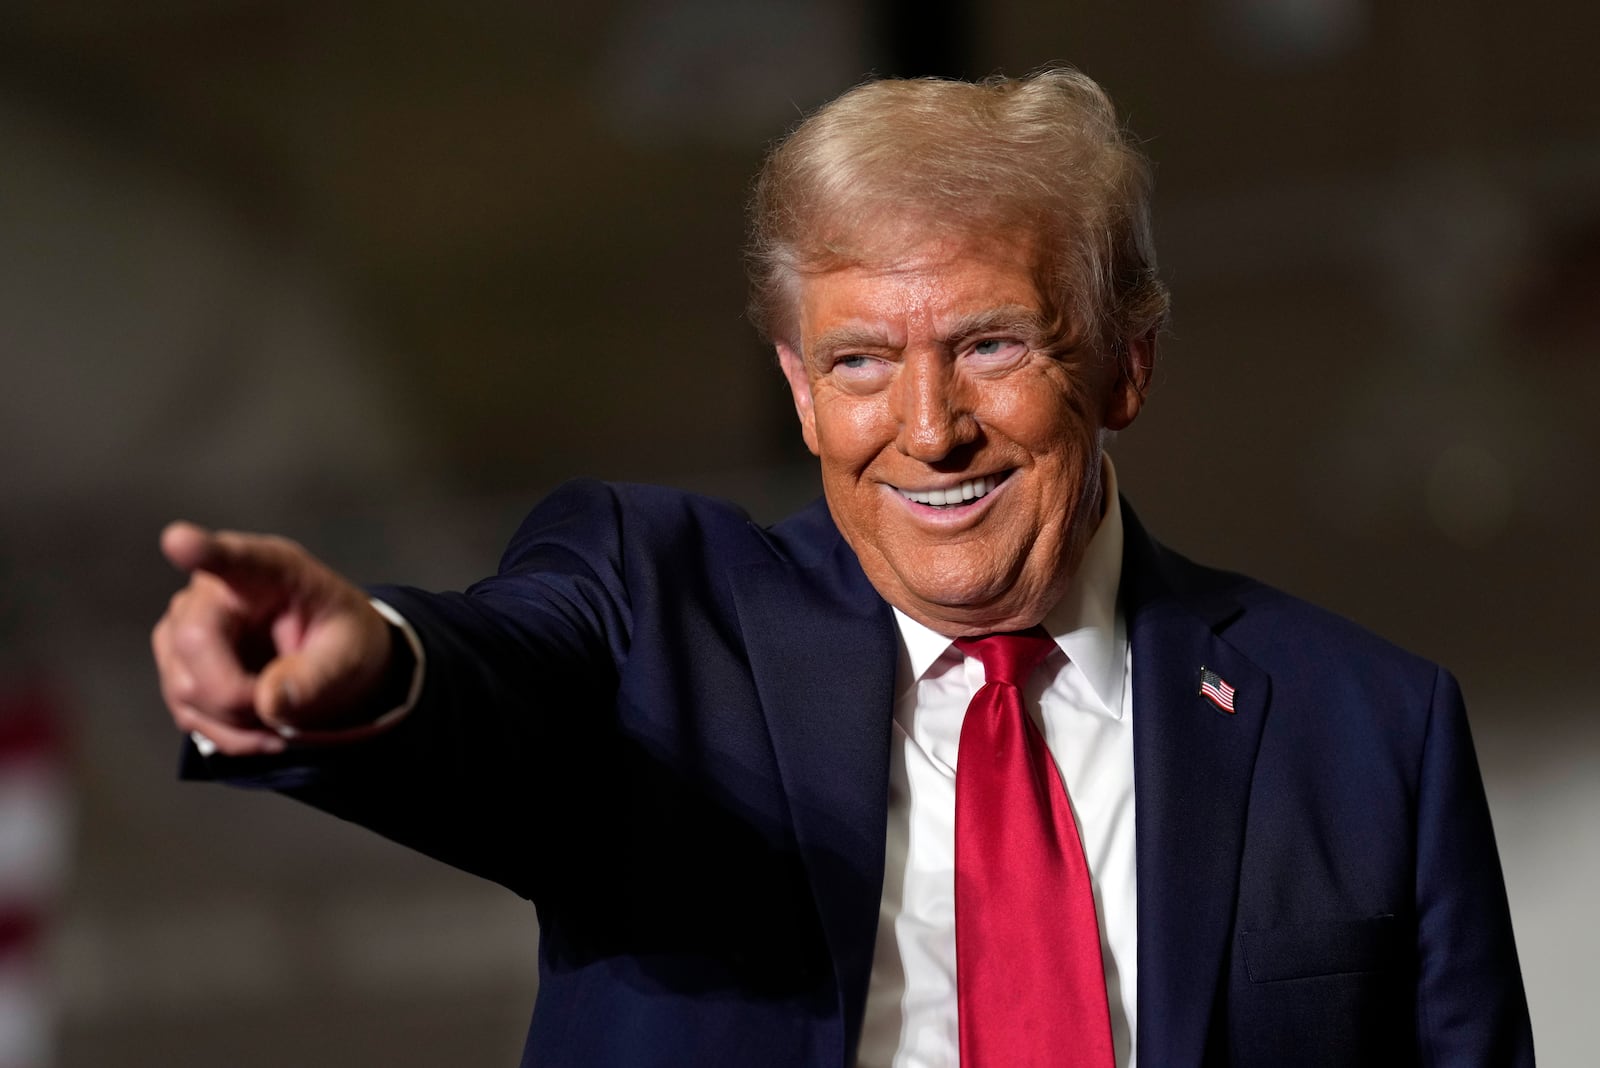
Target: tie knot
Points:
(1009, 658)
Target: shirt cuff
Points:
(206, 747)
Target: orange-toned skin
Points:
(936, 367)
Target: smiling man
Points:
(956, 766)
(960, 438)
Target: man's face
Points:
(960, 446)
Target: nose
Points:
(930, 406)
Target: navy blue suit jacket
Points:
(669, 728)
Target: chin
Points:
(968, 601)
(959, 597)
(965, 578)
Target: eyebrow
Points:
(1013, 320)
(854, 336)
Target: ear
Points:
(1136, 361)
(794, 369)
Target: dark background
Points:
(378, 275)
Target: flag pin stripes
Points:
(1214, 689)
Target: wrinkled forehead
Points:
(906, 244)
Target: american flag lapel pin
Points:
(1216, 690)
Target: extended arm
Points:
(511, 716)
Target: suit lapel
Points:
(822, 651)
(1192, 769)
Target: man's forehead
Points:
(901, 247)
(949, 287)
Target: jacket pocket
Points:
(1303, 951)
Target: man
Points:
(722, 760)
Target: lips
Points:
(971, 489)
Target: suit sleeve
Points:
(1471, 1008)
(510, 729)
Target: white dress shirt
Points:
(1083, 699)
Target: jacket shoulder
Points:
(1289, 637)
(617, 520)
(1280, 626)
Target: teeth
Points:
(970, 490)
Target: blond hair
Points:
(903, 160)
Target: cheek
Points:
(1045, 417)
(851, 431)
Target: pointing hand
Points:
(265, 641)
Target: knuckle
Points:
(174, 694)
(204, 590)
(182, 688)
(191, 637)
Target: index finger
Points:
(246, 562)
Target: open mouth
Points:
(968, 491)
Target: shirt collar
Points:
(1085, 623)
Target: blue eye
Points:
(1003, 347)
(860, 372)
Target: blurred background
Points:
(378, 275)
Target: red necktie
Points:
(1029, 979)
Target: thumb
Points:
(333, 681)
